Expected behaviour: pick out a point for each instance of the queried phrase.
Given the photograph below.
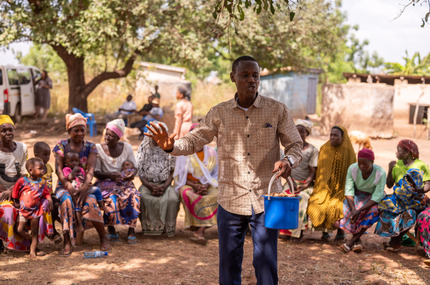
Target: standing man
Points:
(248, 128)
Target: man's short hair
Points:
(32, 162)
(241, 58)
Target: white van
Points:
(17, 90)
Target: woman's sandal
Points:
(131, 240)
(345, 248)
(199, 240)
(57, 238)
(40, 252)
(389, 248)
(357, 248)
(113, 238)
(105, 247)
(65, 253)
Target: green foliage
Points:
(414, 65)
(44, 57)
(236, 8)
(100, 40)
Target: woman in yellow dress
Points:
(325, 207)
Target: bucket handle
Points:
(289, 181)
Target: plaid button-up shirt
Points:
(248, 146)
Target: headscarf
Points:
(117, 126)
(366, 153)
(5, 119)
(326, 202)
(410, 146)
(306, 124)
(75, 120)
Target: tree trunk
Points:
(75, 72)
(78, 90)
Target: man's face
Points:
(247, 78)
(129, 97)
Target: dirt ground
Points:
(163, 260)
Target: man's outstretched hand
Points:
(160, 136)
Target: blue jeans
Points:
(231, 234)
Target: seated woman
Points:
(13, 156)
(122, 200)
(67, 194)
(325, 207)
(423, 221)
(160, 201)
(303, 175)
(398, 211)
(364, 189)
(196, 179)
(408, 158)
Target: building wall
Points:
(293, 90)
(358, 106)
(405, 95)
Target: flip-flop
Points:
(65, 253)
(113, 238)
(199, 240)
(40, 253)
(57, 239)
(357, 248)
(105, 247)
(389, 248)
(427, 262)
(345, 248)
(131, 240)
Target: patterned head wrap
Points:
(5, 119)
(410, 146)
(75, 120)
(193, 126)
(366, 153)
(117, 126)
(306, 124)
(329, 189)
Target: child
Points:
(28, 194)
(76, 175)
(43, 151)
(127, 170)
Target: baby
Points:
(127, 169)
(76, 175)
(29, 194)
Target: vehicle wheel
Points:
(17, 117)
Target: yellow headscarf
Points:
(326, 202)
(5, 119)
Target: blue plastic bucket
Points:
(281, 212)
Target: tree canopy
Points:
(110, 35)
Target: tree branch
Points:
(128, 66)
